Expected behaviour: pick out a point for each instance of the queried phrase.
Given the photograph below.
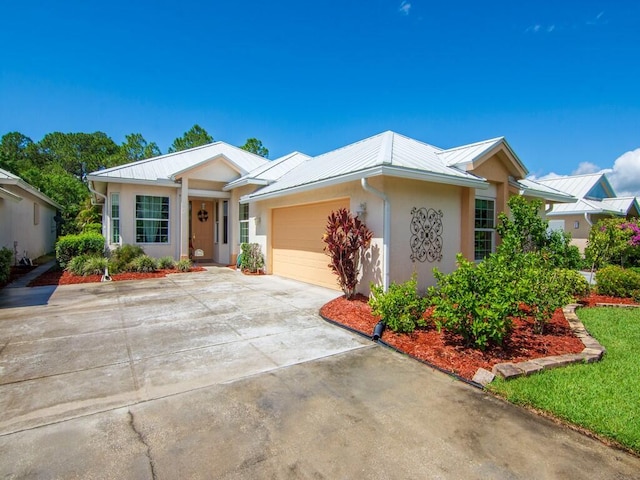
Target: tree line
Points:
(57, 165)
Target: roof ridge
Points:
(469, 145)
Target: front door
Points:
(202, 221)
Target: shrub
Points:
(92, 228)
(94, 265)
(143, 264)
(71, 246)
(184, 265)
(476, 301)
(122, 256)
(573, 282)
(401, 307)
(166, 263)
(6, 257)
(251, 258)
(618, 282)
(76, 264)
(613, 241)
(345, 238)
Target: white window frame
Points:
(491, 230)
(243, 215)
(145, 219)
(115, 219)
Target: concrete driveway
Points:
(221, 375)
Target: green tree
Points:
(254, 145)
(64, 188)
(195, 137)
(135, 148)
(610, 242)
(15, 152)
(77, 153)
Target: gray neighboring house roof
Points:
(387, 153)
(8, 178)
(594, 193)
(531, 188)
(164, 169)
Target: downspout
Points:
(586, 218)
(104, 197)
(386, 230)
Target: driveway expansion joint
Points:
(592, 352)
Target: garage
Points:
(297, 247)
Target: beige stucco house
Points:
(424, 204)
(596, 199)
(27, 218)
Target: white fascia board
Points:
(10, 195)
(378, 170)
(194, 192)
(157, 183)
(243, 182)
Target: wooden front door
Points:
(202, 222)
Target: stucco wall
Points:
(18, 224)
(128, 194)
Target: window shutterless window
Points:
(484, 233)
(115, 218)
(244, 223)
(152, 219)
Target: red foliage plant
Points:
(346, 237)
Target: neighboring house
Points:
(27, 218)
(596, 200)
(423, 204)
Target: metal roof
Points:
(387, 153)
(270, 171)
(466, 154)
(168, 167)
(578, 185)
(534, 189)
(8, 178)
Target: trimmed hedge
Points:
(618, 282)
(71, 246)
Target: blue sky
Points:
(559, 79)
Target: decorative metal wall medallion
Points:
(426, 235)
(203, 215)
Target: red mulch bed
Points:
(447, 351)
(61, 277)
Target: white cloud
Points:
(586, 167)
(625, 174)
(404, 7)
(551, 28)
(548, 176)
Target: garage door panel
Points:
(297, 247)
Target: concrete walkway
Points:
(221, 375)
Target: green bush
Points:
(401, 307)
(6, 258)
(251, 257)
(75, 266)
(92, 228)
(184, 265)
(476, 301)
(70, 246)
(95, 265)
(573, 282)
(122, 256)
(166, 263)
(143, 264)
(618, 282)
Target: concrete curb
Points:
(592, 352)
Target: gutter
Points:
(104, 204)
(386, 235)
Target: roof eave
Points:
(378, 170)
(243, 182)
(161, 182)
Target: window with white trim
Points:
(115, 218)
(152, 219)
(244, 223)
(485, 228)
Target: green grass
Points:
(603, 397)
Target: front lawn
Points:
(602, 397)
